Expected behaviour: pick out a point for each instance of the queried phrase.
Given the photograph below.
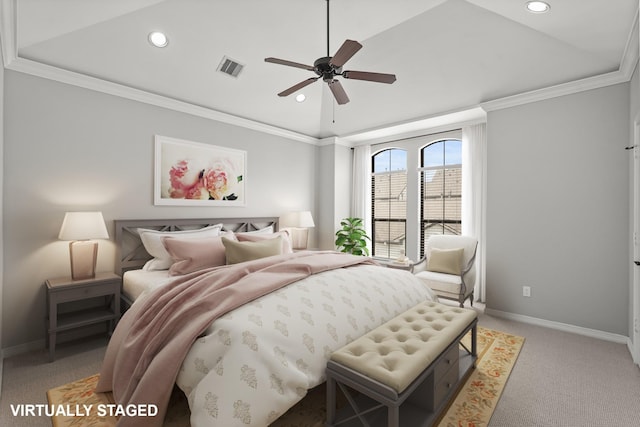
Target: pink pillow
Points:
(191, 255)
(287, 247)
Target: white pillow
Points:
(266, 230)
(152, 241)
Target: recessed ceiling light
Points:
(300, 97)
(538, 6)
(158, 39)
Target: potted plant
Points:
(352, 237)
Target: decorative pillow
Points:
(445, 260)
(287, 246)
(151, 239)
(191, 255)
(247, 251)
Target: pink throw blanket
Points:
(152, 338)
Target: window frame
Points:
(388, 219)
(444, 167)
(412, 144)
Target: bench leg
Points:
(393, 416)
(474, 340)
(331, 400)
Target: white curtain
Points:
(474, 155)
(361, 191)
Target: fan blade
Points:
(338, 92)
(372, 77)
(288, 63)
(298, 86)
(346, 51)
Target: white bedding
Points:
(136, 282)
(254, 363)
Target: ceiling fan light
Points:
(538, 6)
(158, 39)
(300, 97)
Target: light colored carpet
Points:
(497, 354)
(567, 380)
(560, 379)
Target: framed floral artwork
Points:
(195, 174)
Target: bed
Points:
(252, 363)
(131, 255)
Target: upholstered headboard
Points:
(131, 254)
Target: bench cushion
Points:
(398, 351)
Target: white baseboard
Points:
(23, 348)
(635, 358)
(63, 337)
(593, 333)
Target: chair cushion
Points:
(441, 282)
(447, 261)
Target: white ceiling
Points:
(448, 55)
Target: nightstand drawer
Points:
(86, 291)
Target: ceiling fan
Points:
(329, 67)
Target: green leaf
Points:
(352, 237)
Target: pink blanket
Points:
(152, 338)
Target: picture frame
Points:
(191, 173)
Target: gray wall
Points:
(334, 190)
(68, 148)
(1, 209)
(634, 114)
(558, 209)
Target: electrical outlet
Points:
(526, 291)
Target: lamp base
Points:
(84, 255)
(299, 237)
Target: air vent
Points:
(230, 67)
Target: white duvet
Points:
(254, 363)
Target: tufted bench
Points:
(409, 366)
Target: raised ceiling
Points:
(448, 55)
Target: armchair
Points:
(448, 267)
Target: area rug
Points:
(472, 407)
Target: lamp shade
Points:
(83, 226)
(302, 219)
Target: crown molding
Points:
(8, 31)
(631, 50)
(570, 88)
(13, 62)
(624, 73)
(76, 79)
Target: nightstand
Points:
(64, 289)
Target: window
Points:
(441, 189)
(389, 200)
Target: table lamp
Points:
(80, 227)
(298, 224)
